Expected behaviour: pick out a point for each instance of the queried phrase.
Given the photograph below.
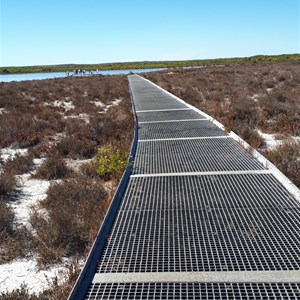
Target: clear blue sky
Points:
(41, 32)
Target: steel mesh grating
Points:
(169, 115)
(173, 156)
(178, 130)
(194, 291)
(204, 225)
(148, 97)
(154, 100)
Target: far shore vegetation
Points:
(149, 64)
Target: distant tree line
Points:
(150, 64)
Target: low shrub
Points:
(6, 220)
(61, 285)
(19, 129)
(286, 158)
(252, 137)
(8, 185)
(20, 164)
(111, 161)
(73, 211)
(21, 293)
(89, 170)
(17, 243)
(52, 168)
(74, 147)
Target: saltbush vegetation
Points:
(287, 158)
(111, 161)
(52, 168)
(59, 120)
(73, 212)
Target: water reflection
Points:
(40, 76)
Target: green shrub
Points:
(111, 162)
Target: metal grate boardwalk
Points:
(200, 217)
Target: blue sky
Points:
(45, 32)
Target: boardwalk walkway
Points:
(200, 217)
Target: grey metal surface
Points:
(148, 97)
(230, 232)
(168, 115)
(191, 156)
(212, 291)
(186, 129)
(223, 223)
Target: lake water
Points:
(39, 76)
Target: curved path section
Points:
(200, 217)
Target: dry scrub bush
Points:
(61, 285)
(14, 242)
(18, 129)
(21, 293)
(6, 219)
(8, 185)
(286, 158)
(73, 212)
(20, 164)
(52, 168)
(89, 170)
(76, 147)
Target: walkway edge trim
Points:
(170, 121)
(157, 110)
(212, 173)
(188, 138)
(201, 277)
